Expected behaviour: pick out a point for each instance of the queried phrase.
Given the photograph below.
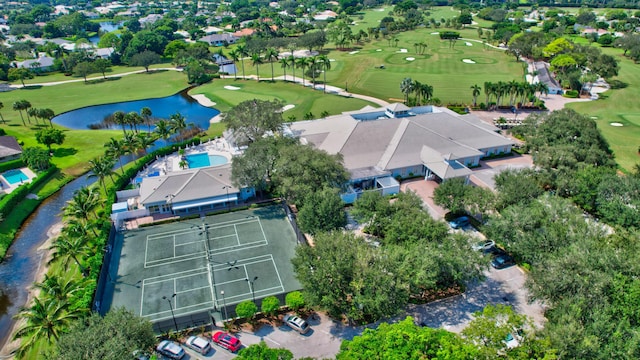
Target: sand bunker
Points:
(379, 9)
(332, 60)
(410, 59)
(287, 107)
(354, 52)
(229, 87)
(617, 124)
(468, 43)
(403, 50)
(468, 61)
(378, 49)
(203, 100)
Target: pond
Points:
(83, 118)
(105, 27)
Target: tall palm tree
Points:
(235, 56)
(271, 55)
(302, 63)
(326, 66)
(1, 117)
(119, 119)
(475, 91)
(133, 119)
(47, 114)
(242, 51)
(34, 113)
(26, 105)
(292, 62)
(44, 319)
(101, 168)
(116, 149)
(145, 142)
(312, 62)
(406, 86)
(163, 129)
(488, 88)
(177, 122)
(131, 143)
(18, 106)
(83, 203)
(57, 288)
(256, 60)
(66, 248)
(146, 113)
(512, 89)
(427, 91)
(284, 64)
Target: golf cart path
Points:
(19, 86)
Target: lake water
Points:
(105, 27)
(161, 108)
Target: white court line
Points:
(174, 246)
(199, 228)
(235, 228)
(277, 272)
(165, 261)
(172, 275)
(174, 291)
(229, 249)
(197, 306)
(248, 296)
(246, 261)
(273, 341)
(192, 289)
(263, 234)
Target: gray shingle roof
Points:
(9, 146)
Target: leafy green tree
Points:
(246, 309)
(262, 351)
(196, 73)
(145, 59)
(405, 340)
(323, 210)
(252, 119)
(118, 333)
(84, 69)
(451, 195)
(270, 305)
(19, 74)
(48, 137)
(618, 201)
(102, 66)
(294, 300)
(517, 187)
(36, 158)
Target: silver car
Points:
(199, 344)
(296, 323)
(170, 349)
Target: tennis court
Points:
(207, 263)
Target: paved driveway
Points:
(483, 176)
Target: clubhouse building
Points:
(381, 146)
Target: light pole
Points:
(224, 305)
(171, 307)
(253, 294)
(228, 202)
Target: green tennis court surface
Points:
(243, 255)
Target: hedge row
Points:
(13, 164)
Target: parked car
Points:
(296, 323)
(170, 349)
(226, 341)
(483, 246)
(460, 222)
(198, 344)
(502, 261)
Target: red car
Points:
(226, 341)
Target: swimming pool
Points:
(204, 160)
(15, 176)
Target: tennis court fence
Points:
(292, 219)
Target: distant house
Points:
(244, 32)
(325, 15)
(150, 19)
(104, 53)
(9, 148)
(219, 39)
(211, 30)
(43, 64)
(544, 76)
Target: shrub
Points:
(571, 94)
(270, 305)
(294, 300)
(246, 309)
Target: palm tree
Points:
(26, 105)
(242, 51)
(488, 88)
(302, 63)
(119, 119)
(256, 60)
(44, 319)
(18, 106)
(146, 115)
(57, 288)
(101, 168)
(542, 88)
(312, 62)
(417, 88)
(67, 248)
(326, 66)
(34, 113)
(116, 149)
(475, 91)
(133, 119)
(512, 89)
(131, 143)
(83, 204)
(406, 86)
(47, 114)
(163, 129)
(292, 63)
(177, 122)
(427, 91)
(284, 63)
(235, 56)
(1, 117)
(145, 142)
(271, 55)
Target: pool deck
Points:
(8, 188)
(171, 163)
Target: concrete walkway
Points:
(19, 86)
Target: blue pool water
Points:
(204, 160)
(15, 176)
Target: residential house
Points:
(103, 53)
(325, 15)
(545, 76)
(381, 145)
(149, 19)
(219, 39)
(43, 63)
(9, 148)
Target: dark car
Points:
(502, 261)
(227, 341)
(460, 222)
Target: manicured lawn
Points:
(82, 145)
(304, 99)
(619, 106)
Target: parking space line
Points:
(273, 341)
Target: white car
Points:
(170, 349)
(296, 323)
(199, 344)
